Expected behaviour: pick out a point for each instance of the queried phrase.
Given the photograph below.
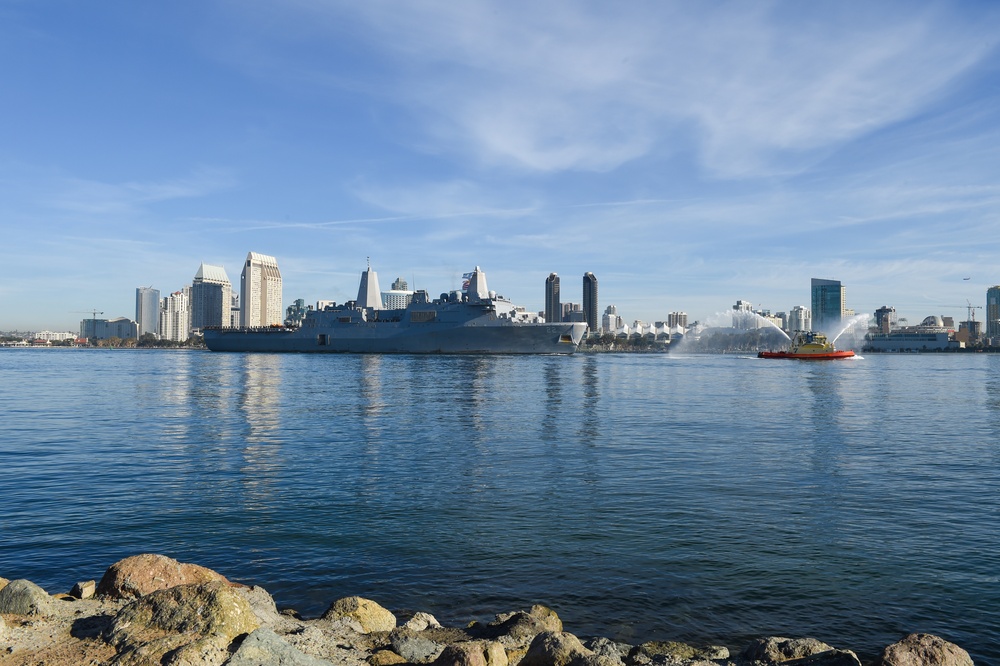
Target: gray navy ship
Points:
(477, 321)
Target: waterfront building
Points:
(103, 329)
(799, 319)
(211, 297)
(934, 333)
(590, 301)
(553, 310)
(175, 316)
(51, 336)
(260, 291)
(909, 339)
(829, 304)
(677, 320)
(147, 310)
(993, 312)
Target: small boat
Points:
(810, 346)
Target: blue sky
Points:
(688, 153)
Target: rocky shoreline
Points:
(152, 610)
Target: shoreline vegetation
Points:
(152, 610)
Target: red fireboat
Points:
(809, 346)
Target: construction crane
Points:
(969, 306)
(972, 309)
(93, 312)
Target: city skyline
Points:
(688, 155)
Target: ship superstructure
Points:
(477, 321)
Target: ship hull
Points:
(398, 338)
(822, 356)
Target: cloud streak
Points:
(755, 91)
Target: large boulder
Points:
(139, 575)
(22, 597)
(519, 628)
(774, 649)
(366, 612)
(557, 648)
(924, 650)
(182, 624)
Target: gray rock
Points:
(924, 650)
(334, 641)
(421, 621)
(605, 647)
(265, 609)
(774, 649)
(415, 649)
(263, 647)
(84, 589)
(22, 597)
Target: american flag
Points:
(465, 281)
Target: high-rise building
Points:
(829, 304)
(744, 318)
(993, 312)
(590, 301)
(399, 284)
(553, 309)
(885, 319)
(175, 316)
(211, 292)
(799, 319)
(260, 291)
(103, 329)
(611, 321)
(677, 320)
(147, 310)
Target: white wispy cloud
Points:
(95, 197)
(755, 89)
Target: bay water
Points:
(702, 498)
